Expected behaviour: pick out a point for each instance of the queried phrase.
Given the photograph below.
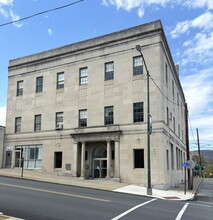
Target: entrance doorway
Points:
(100, 168)
(8, 159)
(18, 158)
(100, 162)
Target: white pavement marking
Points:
(179, 216)
(132, 209)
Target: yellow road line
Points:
(57, 193)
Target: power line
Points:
(163, 93)
(40, 13)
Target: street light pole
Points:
(149, 186)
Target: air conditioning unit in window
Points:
(59, 127)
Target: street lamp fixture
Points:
(149, 126)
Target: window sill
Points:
(109, 82)
(84, 86)
(137, 77)
(60, 90)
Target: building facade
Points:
(80, 110)
(2, 130)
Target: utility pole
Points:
(149, 185)
(198, 145)
(190, 187)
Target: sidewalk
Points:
(109, 185)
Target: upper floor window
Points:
(137, 65)
(109, 117)
(83, 118)
(19, 91)
(167, 116)
(173, 90)
(37, 123)
(166, 70)
(138, 112)
(17, 124)
(39, 84)
(83, 75)
(109, 71)
(60, 80)
(59, 120)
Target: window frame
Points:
(82, 122)
(109, 119)
(58, 159)
(83, 76)
(138, 116)
(59, 119)
(109, 75)
(138, 158)
(137, 69)
(39, 84)
(60, 80)
(20, 88)
(37, 122)
(18, 125)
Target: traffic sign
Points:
(186, 164)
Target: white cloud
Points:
(199, 3)
(200, 50)
(2, 115)
(50, 31)
(204, 22)
(141, 4)
(198, 89)
(8, 12)
(6, 2)
(15, 18)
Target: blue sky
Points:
(188, 25)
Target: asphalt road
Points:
(33, 200)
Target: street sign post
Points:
(189, 165)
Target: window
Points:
(109, 118)
(60, 80)
(137, 65)
(19, 91)
(58, 160)
(178, 130)
(172, 157)
(174, 124)
(109, 71)
(167, 159)
(83, 118)
(59, 120)
(166, 73)
(32, 156)
(83, 76)
(173, 90)
(18, 125)
(138, 158)
(39, 84)
(138, 112)
(167, 116)
(37, 123)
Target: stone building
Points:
(80, 109)
(2, 130)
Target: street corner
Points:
(6, 217)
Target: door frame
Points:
(100, 168)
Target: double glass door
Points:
(99, 168)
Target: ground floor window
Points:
(138, 158)
(58, 159)
(31, 154)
